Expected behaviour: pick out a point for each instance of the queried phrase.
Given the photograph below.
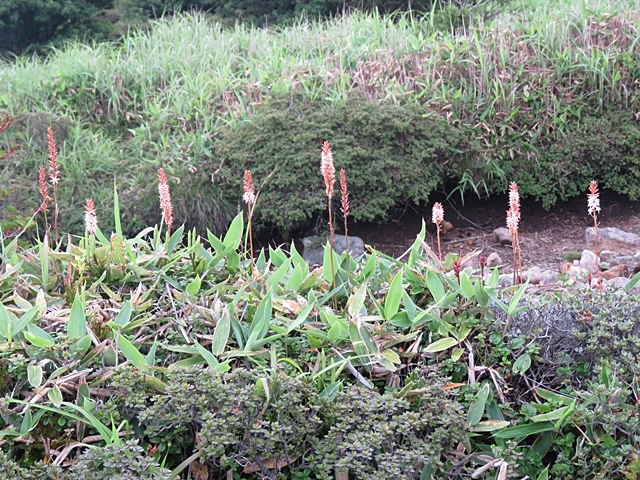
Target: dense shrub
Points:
(393, 156)
(604, 147)
(379, 437)
(125, 461)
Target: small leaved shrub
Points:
(393, 153)
(379, 437)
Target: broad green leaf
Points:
(524, 430)
(632, 283)
(467, 286)
(77, 324)
(209, 357)
(233, 237)
(215, 243)
(150, 358)
(44, 260)
(116, 209)
(24, 320)
(174, 240)
(261, 321)
(335, 333)
(329, 263)
(34, 375)
(522, 364)
(513, 304)
(27, 424)
(392, 301)
(5, 323)
(355, 302)
(456, 353)
(55, 395)
(435, 286)
(476, 410)
(440, 345)
(38, 337)
(544, 475)
(131, 353)
(489, 425)
(278, 274)
(124, 315)
(554, 397)
(194, 286)
(221, 333)
(551, 416)
(392, 356)
(302, 317)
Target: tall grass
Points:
(164, 94)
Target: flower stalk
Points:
(165, 200)
(513, 221)
(54, 176)
(345, 208)
(593, 208)
(437, 217)
(328, 172)
(249, 197)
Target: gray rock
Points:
(588, 261)
(632, 262)
(534, 275)
(313, 251)
(493, 260)
(549, 278)
(505, 280)
(607, 255)
(612, 238)
(502, 236)
(618, 282)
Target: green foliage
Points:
(28, 24)
(117, 462)
(384, 436)
(393, 155)
(602, 147)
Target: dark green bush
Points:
(25, 23)
(604, 148)
(393, 156)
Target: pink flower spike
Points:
(437, 213)
(90, 218)
(593, 199)
(54, 168)
(327, 169)
(249, 195)
(165, 198)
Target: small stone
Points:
(502, 236)
(618, 282)
(578, 274)
(588, 261)
(534, 275)
(505, 280)
(313, 251)
(446, 226)
(607, 255)
(632, 262)
(549, 278)
(493, 260)
(615, 272)
(612, 238)
(566, 266)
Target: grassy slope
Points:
(160, 97)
